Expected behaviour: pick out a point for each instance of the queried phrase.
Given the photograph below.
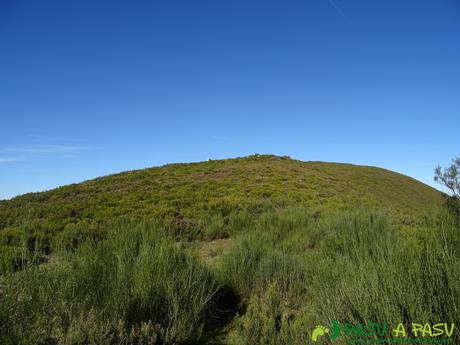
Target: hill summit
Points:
(183, 193)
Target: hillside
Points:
(188, 190)
(245, 251)
(183, 193)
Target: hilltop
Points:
(182, 194)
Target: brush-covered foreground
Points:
(282, 272)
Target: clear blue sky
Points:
(89, 88)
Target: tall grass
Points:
(373, 272)
(349, 267)
(134, 281)
(291, 268)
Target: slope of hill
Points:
(238, 251)
(184, 193)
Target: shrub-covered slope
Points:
(183, 193)
(298, 244)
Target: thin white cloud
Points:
(32, 152)
(42, 149)
(9, 159)
(52, 138)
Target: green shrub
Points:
(268, 320)
(73, 235)
(214, 227)
(11, 237)
(136, 275)
(366, 270)
(11, 258)
(240, 221)
(262, 257)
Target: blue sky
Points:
(89, 88)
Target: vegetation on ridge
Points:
(270, 248)
(185, 196)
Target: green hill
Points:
(182, 194)
(245, 251)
